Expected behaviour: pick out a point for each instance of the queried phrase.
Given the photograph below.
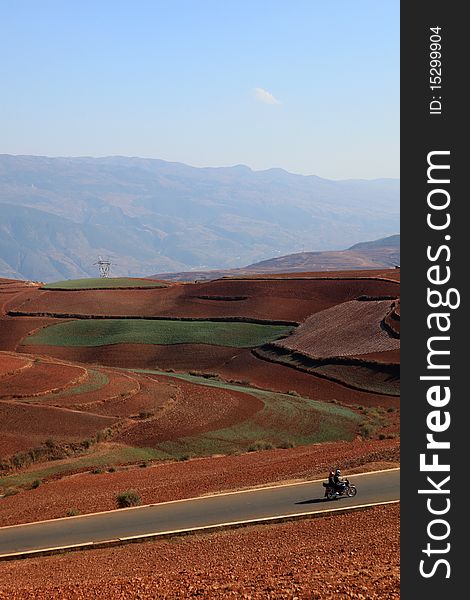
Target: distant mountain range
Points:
(57, 215)
(379, 254)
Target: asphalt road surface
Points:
(278, 501)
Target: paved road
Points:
(303, 498)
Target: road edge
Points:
(191, 531)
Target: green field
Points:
(102, 283)
(101, 332)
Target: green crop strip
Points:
(102, 283)
(101, 332)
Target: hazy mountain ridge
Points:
(148, 215)
(378, 254)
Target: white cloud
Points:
(265, 96)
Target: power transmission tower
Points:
(104, 266)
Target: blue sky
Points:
(309, 86)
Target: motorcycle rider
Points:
(338, 482)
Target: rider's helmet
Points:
(338, 472)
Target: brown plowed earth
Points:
(6, 295)
(181, 357)
(347, 329)
(14, 329)
(162, 481)
(264, 562)
(11, 364)
(150, 397)
(197, 409)
(25, 426)
(41, 378)
(275, 299)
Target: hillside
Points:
(378, 254)
(58, 215)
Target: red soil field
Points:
(181, 357)
(196, 409)
(162, 481)
(276, 299)
(263, 562)
(14, 329)
(11, 364)
(350, 328)
(140, 302)
(17, 292)
(150, 397)
(41, 378)
(25, 426)
(9, 293)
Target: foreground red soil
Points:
(88, 492)
(284, 561)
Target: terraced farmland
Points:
(274, 419)
(226, 369)
(275, 299)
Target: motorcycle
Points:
(348, 490)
